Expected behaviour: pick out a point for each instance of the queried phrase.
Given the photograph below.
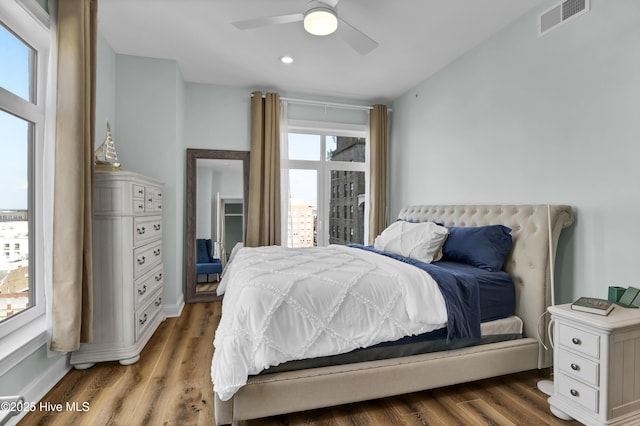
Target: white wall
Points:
(522, 119)
(205, 203)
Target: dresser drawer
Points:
(577, 392)
(579, 340)
(137, 191)
(153, 199)
(578, 367)
(147, 285)
(146, 316)
(146, 257)
(146, 229)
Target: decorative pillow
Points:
(485, 247)
(421, 241)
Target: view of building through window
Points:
(326, 192)
(16, 136)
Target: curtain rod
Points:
(327, 104)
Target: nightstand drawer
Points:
(577, 392)
(578, 367)
(579, 340)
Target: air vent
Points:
(560, 14)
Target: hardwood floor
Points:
(171, 385)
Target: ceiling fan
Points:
(320, 17)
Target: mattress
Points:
(499, 330)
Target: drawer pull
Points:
(140, 191)
(143, 319)
(159, 206)
(575, 367)
(140, 206)
(156, 226)
(141, 230)
(150, 200)
(574, 392)
(141, 260)
(156, 252)
(576, 341)
(159, 301)
(143, 290)
(158, 277)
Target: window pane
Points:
(15, 294)
(343, 148)
(15, 72)
(304, 147)
(347, 208)
(302, 217)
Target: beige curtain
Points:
(72, 305)
(263, 216)
(378, 180)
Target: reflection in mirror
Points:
(217, 187)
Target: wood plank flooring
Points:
(171, 385)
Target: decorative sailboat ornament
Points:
(106, 157)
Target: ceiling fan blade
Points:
(361, 42)
(332, 3)
(271, 20)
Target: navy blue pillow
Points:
(485, 247)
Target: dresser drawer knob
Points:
(156, 226)
(140, 206)
(574, 392)
(143, 290)
(156, 252)
(143, 319)
(159, 301)
(141, 230)
(576, 341)
(159, 277)
(575, 367)
(141, 260)
(140, 191)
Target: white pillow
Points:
(421, 241)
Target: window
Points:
(24, 55)
(322, 166)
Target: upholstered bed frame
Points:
(529, 265)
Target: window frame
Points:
(26, 331)
(324, 170)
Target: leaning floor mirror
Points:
(216, 206)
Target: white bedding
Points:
(284, 304)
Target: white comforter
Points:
(285, 304)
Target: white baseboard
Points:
(172, 311)
(38, 388)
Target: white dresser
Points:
(596, 366)
(127, 268)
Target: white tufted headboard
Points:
(528, 262)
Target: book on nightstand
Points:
(592, 305)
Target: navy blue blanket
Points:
(460, 292)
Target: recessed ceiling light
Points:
(286, 59)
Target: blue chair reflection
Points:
(206, 264)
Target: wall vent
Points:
(560, 14)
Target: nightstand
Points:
(596, 366)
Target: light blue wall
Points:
(522, 119)
(149, 102)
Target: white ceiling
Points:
(416, 38)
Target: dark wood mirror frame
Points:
(193, 155)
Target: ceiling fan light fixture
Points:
(320, 19)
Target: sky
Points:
(303, 183)
(14, 67)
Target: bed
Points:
(534, 231)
